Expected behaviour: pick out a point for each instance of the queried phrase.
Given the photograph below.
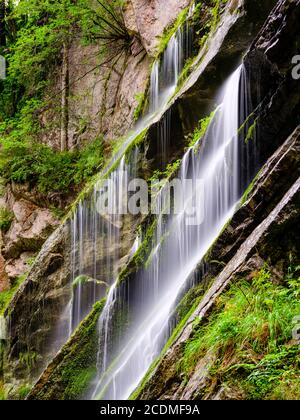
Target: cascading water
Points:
(166, 71)
(178, 247)
(91, 273)
(91, 232)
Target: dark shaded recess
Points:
(69, 374)
(283, 240)
(166, 140)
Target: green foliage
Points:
(206, 18)
(142, 254)
(251, 132)
(28, 360)
(42, 29)
(186, 71)
(23, 391)
(170, 31)
(7, 295)
(6, 219)
(215, 12)
(200, 130)
(276, 376)
(24, 161)
(168, 173)
(249, 189)
(253, 321)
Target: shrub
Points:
(49, 170)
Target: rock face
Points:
(265, 226)
(148, 19)
(102, 98)
(31, 226)
(74, 366)
(45, 287)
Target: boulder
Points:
(31, 227)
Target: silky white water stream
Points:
(89, 231)
(178, 247)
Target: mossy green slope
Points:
(69, 374)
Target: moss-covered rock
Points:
(69, 374)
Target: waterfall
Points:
(90, 274)
(166, 71)
(178, 246)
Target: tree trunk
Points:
(65, 99)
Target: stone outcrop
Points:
(31, 226)
(70, 372)
(32, 331)
(148, 19)
(103, 97)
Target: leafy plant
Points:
(2, 392)
(48, 170)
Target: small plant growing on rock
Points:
(6, 219)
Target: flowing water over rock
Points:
(93, 273)
(181, 240)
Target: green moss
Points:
(200, 130)
(186, 72)
(142, 103)
(216, 12)
(170, 31)
(192, 297)
(107, 170)
(246, 123)
(70, 373)
(6, 219)
(251, 132)
(3, 395)
(167, 174)
(23, 391)
(28, 360)
(82, 280)
(7, 295)
(140, 138)
(249, 189)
